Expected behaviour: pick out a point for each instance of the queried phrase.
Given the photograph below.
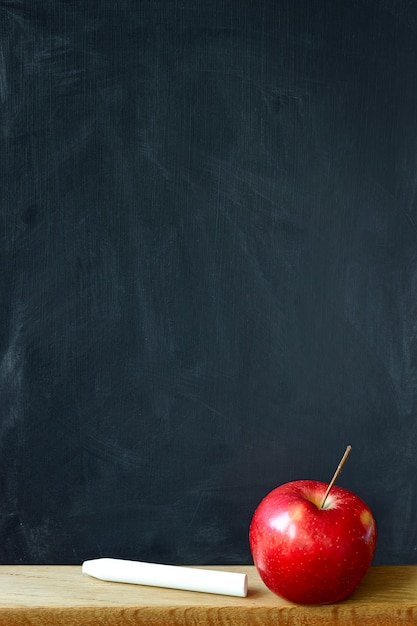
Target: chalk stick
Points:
(170, 576)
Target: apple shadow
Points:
(381, 583)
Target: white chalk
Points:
(171, 576)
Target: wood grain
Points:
(61, 595)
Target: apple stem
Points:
(335, 475)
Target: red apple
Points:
(307, 554)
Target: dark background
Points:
(208, 271)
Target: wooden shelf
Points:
(49, 595)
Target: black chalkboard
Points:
(208, 270)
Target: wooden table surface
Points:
(62, 595)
